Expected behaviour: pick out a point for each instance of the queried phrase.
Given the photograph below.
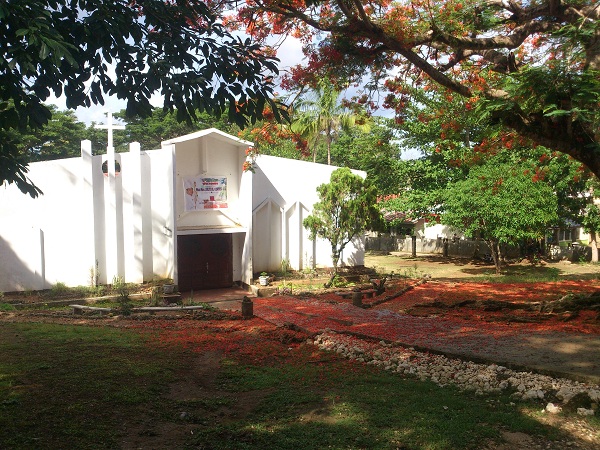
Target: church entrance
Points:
(204, 261)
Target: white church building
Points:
(188, 212)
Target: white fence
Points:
(467, 248)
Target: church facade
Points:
(187, 211)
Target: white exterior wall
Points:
(127, 226)
(80, 227)
(46, 240)
(437, 230)
(161, 214)
(283, 195)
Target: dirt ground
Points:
(452, 268)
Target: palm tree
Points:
(321, 116)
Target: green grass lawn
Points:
(98, 387)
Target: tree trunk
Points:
(335, 258)
(495, 250)
(594, 245)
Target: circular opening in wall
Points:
(105, 168)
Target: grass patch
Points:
(64, 386)
(73, 387)
(520, 274)
(348, 406)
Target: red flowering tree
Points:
(531, 66)
(503, 204)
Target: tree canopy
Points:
(503, 203)
(453, 139)
(376, 152)
(346, 207)
(60, 138)
(88, 49)
(532, 66)
(322, 116)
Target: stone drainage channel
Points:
(466, 375)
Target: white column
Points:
(87, 197)
(113, 228)
(110, 217)
(132, 217)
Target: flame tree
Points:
(531, 66)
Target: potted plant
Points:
(263, 279)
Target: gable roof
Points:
(213, 133)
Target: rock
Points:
(553, 409)
(585, 412)
(465, 375)
(533, 394)
(594, 395)
(565, 394)
(581, 400)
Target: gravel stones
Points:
(466, 375)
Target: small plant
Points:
(189, 301)
(285, 289)
(59, 289)
(5, 306)
(263, 279)
(338, 281)
(285, 266)
(122, 290)
(155, 298)
(95, 275)
(309, 272)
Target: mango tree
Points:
(92, 49)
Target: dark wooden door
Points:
(204, 261)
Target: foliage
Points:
(453, 138)
(530, 67)
(375, 152)
(176, 49)
(60, 138)
(322, 117)
(346, 207)
(276, 139)
(122, 289)
(503, 203)
(59, 289)
(6, 306)
(591, 220)
(163, 125)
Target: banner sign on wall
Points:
(203, 193)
